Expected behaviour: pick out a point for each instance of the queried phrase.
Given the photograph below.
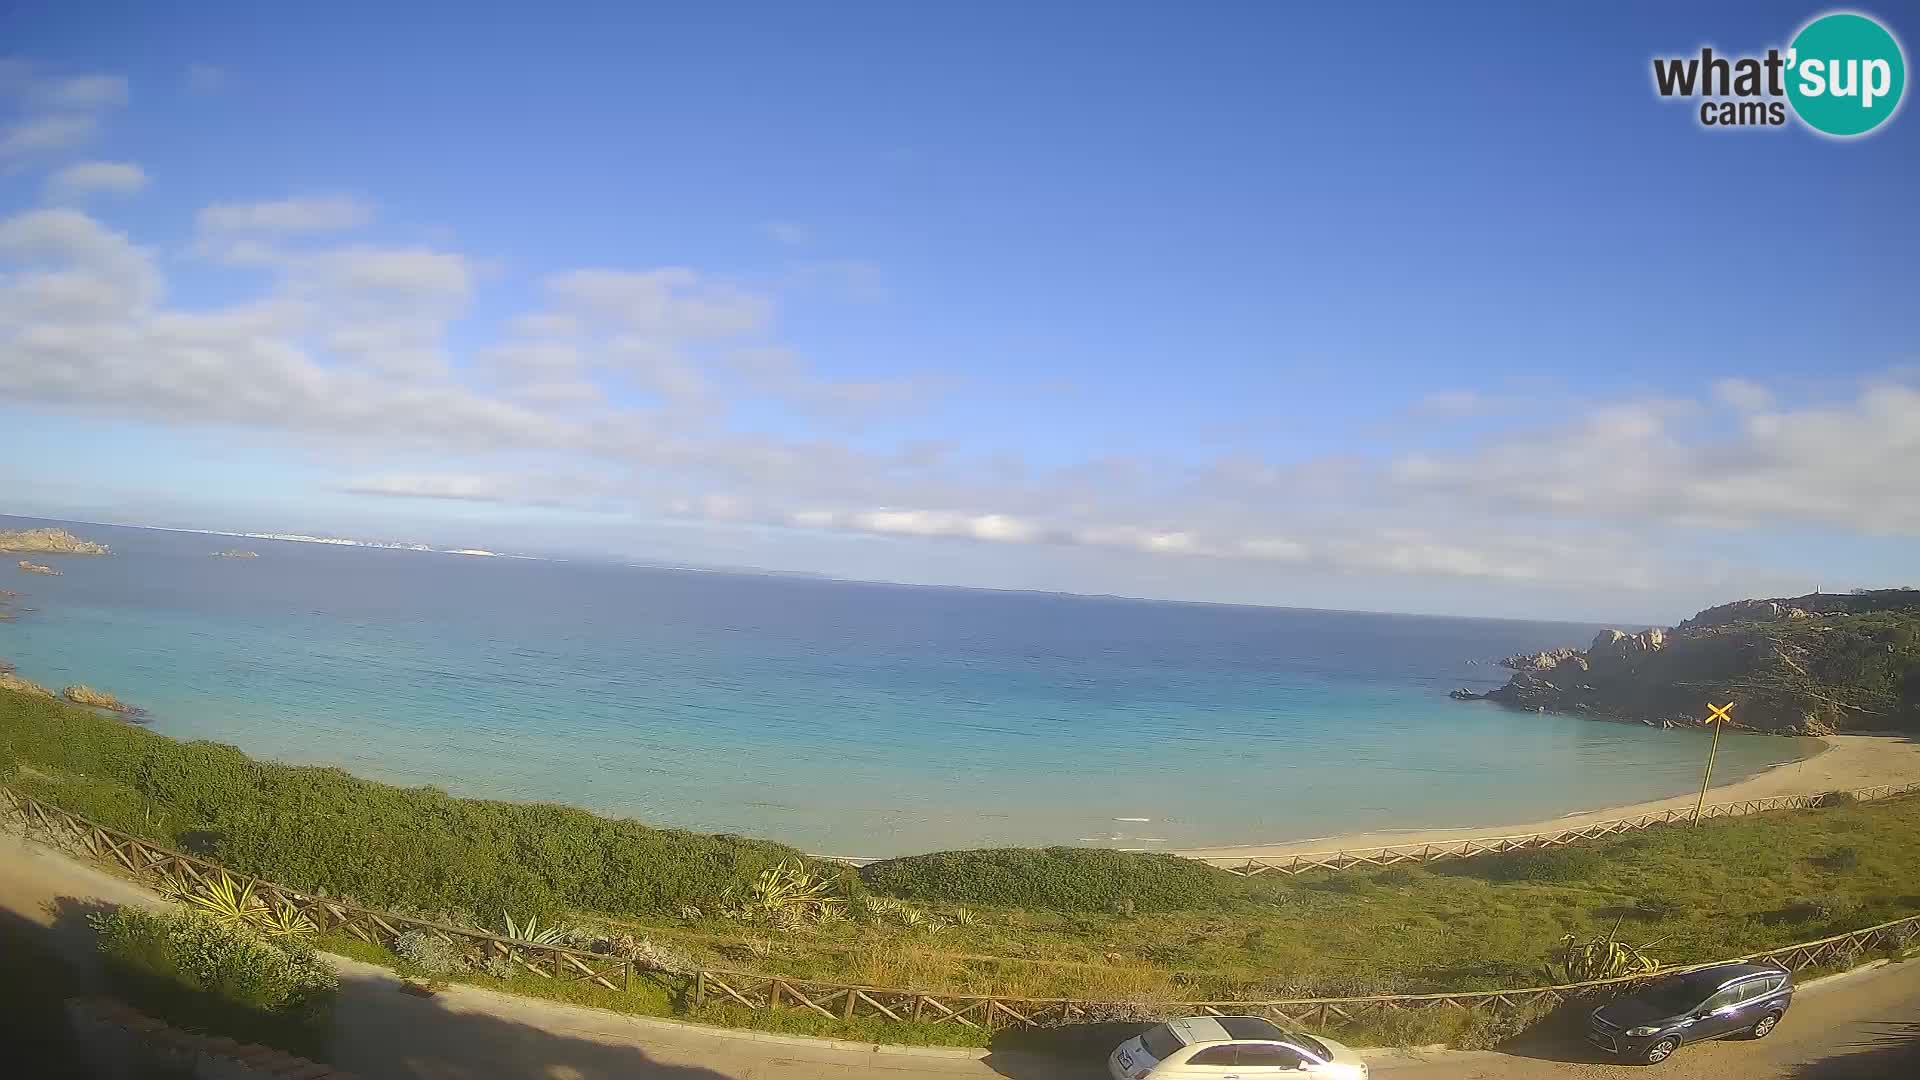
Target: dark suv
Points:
(1710, 1003)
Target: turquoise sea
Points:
(848, 718)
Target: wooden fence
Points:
(840, 1001)
(1389, 855)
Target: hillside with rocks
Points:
(1808, 665)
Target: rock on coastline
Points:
(49, 542)
(38, 568)
(100, 699)
(236, 553)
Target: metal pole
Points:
(1712, 749)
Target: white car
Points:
(1231, 1048)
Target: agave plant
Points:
(221, 899)
(281, 919)
(1604, 957)
(232, 904)
(785, 895)
(532, 934)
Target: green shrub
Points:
(327, 832)
(1553, 864)
(1839, 859)
(424, 954)
(1056, 879)
(197, 974)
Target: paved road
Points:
(1864, 1027)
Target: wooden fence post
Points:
(699, 988)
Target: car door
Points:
(1207, 1063)
(1721, 1014)
(1272, 1060)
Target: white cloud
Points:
(282, 217)
(346, 346)
(43, 134)
(58, 112)
(1743, 394)
(789, 233)
(82, 92)
(87, 177)
(1452, 403)
(205, 78)
(461, 487)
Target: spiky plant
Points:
(785, 895)
(531, 933)
(1604, 957)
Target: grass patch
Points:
(1056, 879)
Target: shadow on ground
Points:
(379, 1031)
(35, 979)
(1891, 1049)
(1071, 1050)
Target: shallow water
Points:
(846, 718)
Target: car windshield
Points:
(1161, 1042)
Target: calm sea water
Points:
(846, 718)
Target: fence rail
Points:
(1392, 854)
(712, 986)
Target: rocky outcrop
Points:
(1806, 665)
(10, 681)
(100, 699)
(236, 553)
(38, 568)
(1540, 661)
(49, 542)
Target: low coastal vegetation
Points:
(1062, 922)
(1814, 664)
(49, 542)
(200, 974)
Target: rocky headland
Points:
(49, 542)
(1809, 665)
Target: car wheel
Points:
(1660, 1051)
(1764, 1026)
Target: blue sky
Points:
(1390, 307)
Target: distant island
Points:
(1807, 665)
(236, 553)
(49, 542)
(38, 568)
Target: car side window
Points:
(1730, 996)
(1760, 988)
(1272, 1055)
(1213, 1055)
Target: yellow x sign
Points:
(1719, 712)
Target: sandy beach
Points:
(1847, 762)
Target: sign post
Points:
(1717, 716)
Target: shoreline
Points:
(1844, 762)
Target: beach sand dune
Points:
(1848, 762)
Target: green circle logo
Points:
(1845, 74)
